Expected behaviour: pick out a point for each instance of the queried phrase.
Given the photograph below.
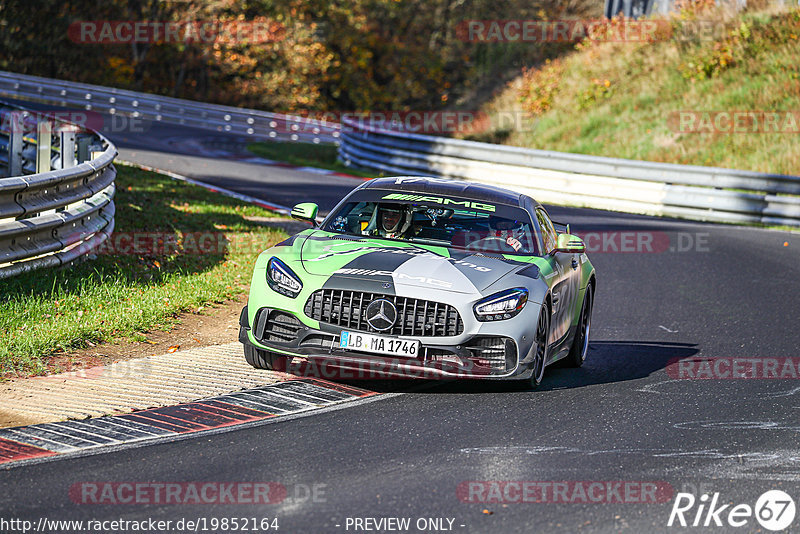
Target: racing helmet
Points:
(392, 219)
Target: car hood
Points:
(401, 264)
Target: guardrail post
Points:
(67, 149)
(83, 148)
(15, 145)
(67, 159)
(44, 132)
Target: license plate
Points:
(379, 344)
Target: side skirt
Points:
(560, 349)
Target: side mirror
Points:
(570, 243)
(306, 211)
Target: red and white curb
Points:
(224, 411)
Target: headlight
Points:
(503, 305)
(282, 279)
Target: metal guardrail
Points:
(685, 191)
(693, 192)
(148, 107)
(52, 218)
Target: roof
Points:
(440, 186)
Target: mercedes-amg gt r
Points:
(423, 277)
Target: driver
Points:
(392, 221)
(510, 231)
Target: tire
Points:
(580, 345)
(540, 339)
(263, 359)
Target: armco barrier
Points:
(163, 109)
(692, 192)
(52, 218)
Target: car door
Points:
(566, 285)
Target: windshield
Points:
(449, 222)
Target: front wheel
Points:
(580, 345)
(263, 359)
(540, 342)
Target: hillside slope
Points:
(683, 97)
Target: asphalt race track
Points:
(183, 150)
(703, 290)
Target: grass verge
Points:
(208, 249)
(307, 155)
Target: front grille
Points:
(497, 353)
(274, 325)
(415, 317)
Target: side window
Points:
(548, 232)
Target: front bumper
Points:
(307, 349)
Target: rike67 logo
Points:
(774, 510)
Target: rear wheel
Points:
(264, 359)
(580, 345)
(540, 342)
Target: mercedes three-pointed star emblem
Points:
(381, 314)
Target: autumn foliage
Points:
(330, 54)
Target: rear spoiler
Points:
(561, 228)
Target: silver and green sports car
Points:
(423, 277)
